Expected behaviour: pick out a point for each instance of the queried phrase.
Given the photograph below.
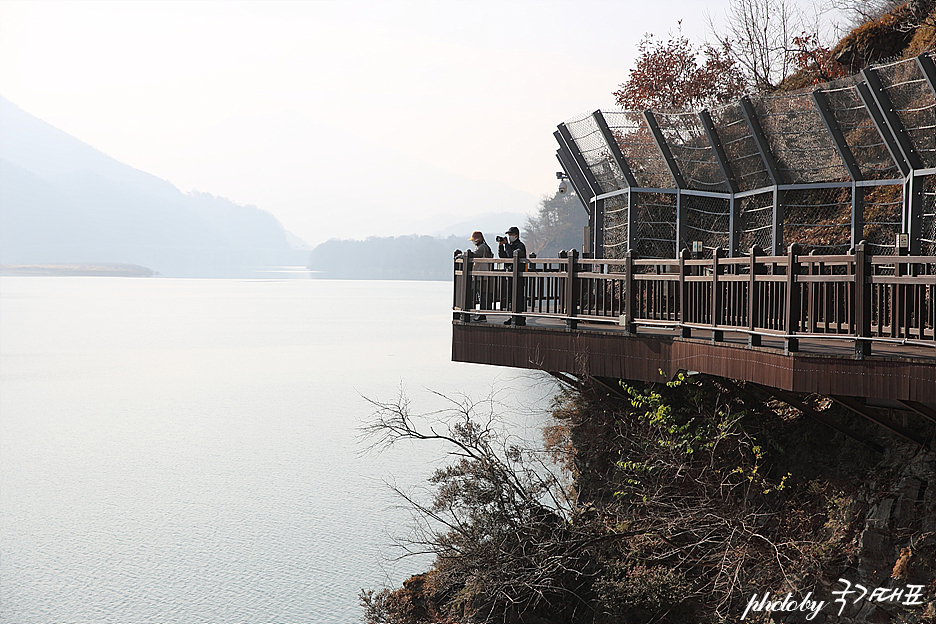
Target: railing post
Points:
(684, 332)
(815, 268)
(516, 287)
(456, 288)
(791, 344)
(572, 290)
(898, 290)
(862, 301)
(754, 340)
(718, 335)
(467, 291)
(630, 296)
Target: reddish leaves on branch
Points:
(668, 78)
(814, 60)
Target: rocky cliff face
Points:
(891, 521)
(702, 501)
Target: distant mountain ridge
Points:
(410, 257)
(62, 201)
(326, 182)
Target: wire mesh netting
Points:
(692, 151)
(883, 207)
(914, 103)
(615, 227)
(755, 218)
(928, 213)
(798, 140)
(656, 225)
(809, 151)
(642, 153)
(868, 148)
(707, 220)
(594, 149)
(818, 220)
(740, 148)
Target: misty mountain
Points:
(388, 257)
(62, 201)
(324, 182)
(490, 224)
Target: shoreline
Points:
(76, 269)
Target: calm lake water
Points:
(187, 451)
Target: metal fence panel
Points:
(783, 158)
(802, 147)
(914, 105)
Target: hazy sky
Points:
(474, 88)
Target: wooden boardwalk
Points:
(847, 326)
(819, 367)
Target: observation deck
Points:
(856, 328)
(811, 217)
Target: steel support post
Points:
(857, 214)
(632, 209)
(597, 213)
(582, 187)
(565, 139)
(770, 165)
(719, 150)
(913, 215)
(928, 67)
(614, 149)
(893, 125)
(776, 226)
(835, 133)
(598, 230)
(665, 152)
(867, 99)
(680, 223)
(721, 157)
(582, 190)
(760, 139)
(734, 235)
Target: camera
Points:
(500, 239)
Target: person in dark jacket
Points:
(482, 292)
(505, 249)
(507, 246)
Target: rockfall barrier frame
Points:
(847, 162)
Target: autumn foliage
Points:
(668, 77)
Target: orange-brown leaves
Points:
(668, 77)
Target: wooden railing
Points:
(853, 297)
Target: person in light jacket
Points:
(481, 249)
